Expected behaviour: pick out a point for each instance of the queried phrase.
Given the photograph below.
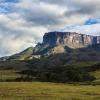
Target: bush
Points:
(58, 74)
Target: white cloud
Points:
(16, 35)
(93, 29)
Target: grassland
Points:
(44, 90)
(47, 91)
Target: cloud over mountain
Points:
(23, 22)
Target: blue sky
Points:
(23, 22)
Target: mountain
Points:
(61, 57)
(27, 54)
(61, 42)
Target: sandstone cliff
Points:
(70, 39)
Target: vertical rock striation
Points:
(70, 39)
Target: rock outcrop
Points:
(70, 39)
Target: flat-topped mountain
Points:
(61, 57)
(70, 39)
(62, 42)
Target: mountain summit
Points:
(70, 39)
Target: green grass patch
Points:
(47, 91)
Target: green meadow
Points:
(48, 91)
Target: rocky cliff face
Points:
(70, 39)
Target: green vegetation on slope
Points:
(55, 68)
(70, 66)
